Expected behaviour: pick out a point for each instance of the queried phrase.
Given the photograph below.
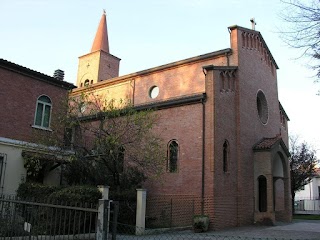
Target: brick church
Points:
(221, 112)
(219, 116)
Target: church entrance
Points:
(272, 183)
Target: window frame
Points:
(225, 156)
(170, 167)
(43, 113)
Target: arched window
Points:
(43, 112)
(262, 185)
(173, 154)
(225, 156)
(86, 82)
(120, 156)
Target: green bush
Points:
(35, 191)
(76, 194)
(54, 194)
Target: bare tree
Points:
(114, 144)
(303, 31)
(302, 165)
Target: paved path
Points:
(298, 229)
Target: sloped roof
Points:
(34, 74)
(283, 111)
(268, 143)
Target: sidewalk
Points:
(298, 229)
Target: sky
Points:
(46, 35)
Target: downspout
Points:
(133, 85)
(203, 153)
(203, 147)
(228, 60)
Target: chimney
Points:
(58, 74)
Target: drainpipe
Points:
(228, 60)
(133, 85)
(203, 145)
(203, 153)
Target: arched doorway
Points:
(272, 183)
(262, 188)
(280, 175)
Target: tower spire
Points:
(99, 64)
(101, 41)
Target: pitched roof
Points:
(283, 111)
(101, 41)
(269, 143)
(34, 74)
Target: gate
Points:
(46, 221)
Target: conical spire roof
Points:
(101, 41)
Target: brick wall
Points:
(18, 103)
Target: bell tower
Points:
(99, 64)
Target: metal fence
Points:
(169, 211)
(307, 206)
(26, 219)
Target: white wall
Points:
(311, 190)
(13, 172)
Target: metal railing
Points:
(307, 206)
(169, 212)
(28, 219)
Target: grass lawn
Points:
(306, 216)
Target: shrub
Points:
(76, 194)
(35, 191)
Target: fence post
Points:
(103, 214)
(141, 211)
(104, 191)
(115, 219)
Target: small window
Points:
(173, 154)
(225, 156)
(86, 83)
(82, 107)
(120, 156)
(43, 112)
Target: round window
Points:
(154, 92)
(262, 107)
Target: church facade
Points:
(221, 112)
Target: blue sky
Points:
(45, 35)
